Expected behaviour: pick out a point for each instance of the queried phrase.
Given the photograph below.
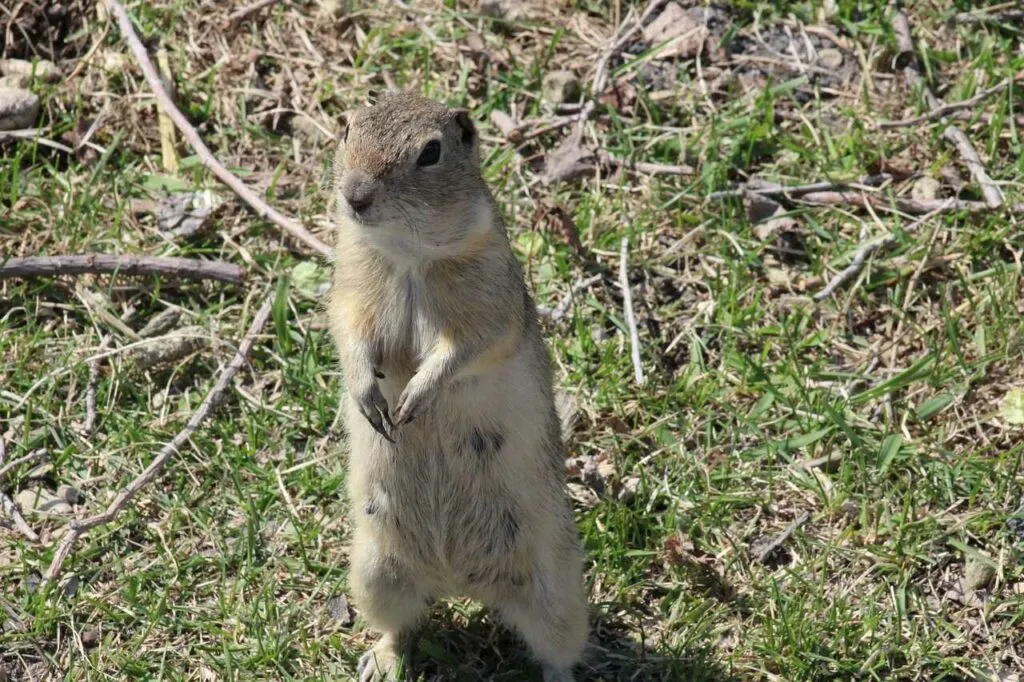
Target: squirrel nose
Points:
(358, 191)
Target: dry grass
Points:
(231, 565)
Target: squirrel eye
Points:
(430, 155)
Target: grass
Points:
(232, 565)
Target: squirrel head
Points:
(407, 176)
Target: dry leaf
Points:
(683, 34)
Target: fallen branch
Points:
(627, 303)
(860, 257)
(239, 15)
(946, 109)
(993, 197)
(9, 507)
(185, 268)
(206, 156)
(646, 167)
(78, 528)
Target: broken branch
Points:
(185, 268)
(261, 207)
(78, 528)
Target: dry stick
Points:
(78, 528)
(559, 311)
(861, 255)
(904, 205)
(946, 109)
(9, 507)
(90, 391)
(24, 459)
(993, 197)
(627, 302)
(989, 18)
(799, 190)
(237, 16)
(601, 72)
(209, 160)
(186, 268)
(777, 542)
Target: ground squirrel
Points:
(456, 463)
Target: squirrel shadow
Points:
(483, 649)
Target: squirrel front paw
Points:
(418, 394)
(374, 408)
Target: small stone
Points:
(43, 69)
(561, 87)
(305, 128)
(42, 500)
(69, 494)
(830, 58)
(337, 607)
(15, 82)
(978, 574)
(925, 189)
(90, 638)
(628, 489)
(330, 9)
(19, 109)
(70, 587)
(115, 62)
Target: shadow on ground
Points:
(483, 649)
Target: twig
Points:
(54, 266)
(236, 17)
(90, 391)
(800, 190)
(209, 160)
(861, 255)
(627, 302)
(78, 528)
(993, 197)
(559, 311)
(9, 507)
(24, 459)
(645, 167)
(908, 206)
(989, 17)
(778, 541)
(619, 40)
(946, 109)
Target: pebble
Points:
(43, 69)
(925, 189)
(15, 82)
(830, 58)
(42, 500)
(978, 575)
(561, 87)
(19, 109)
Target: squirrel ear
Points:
(465, 121)
(371, 97)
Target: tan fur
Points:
(469, 499)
